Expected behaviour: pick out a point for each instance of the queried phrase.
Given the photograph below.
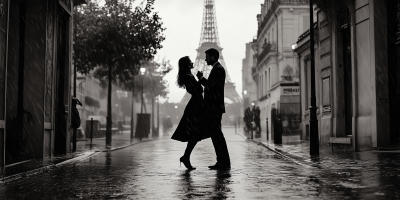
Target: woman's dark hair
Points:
(183, 64)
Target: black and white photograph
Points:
(200, 99)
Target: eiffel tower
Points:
(209, 39)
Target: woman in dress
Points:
(191, 128)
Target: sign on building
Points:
(292, 90)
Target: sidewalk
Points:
(299, 152)
(118, 141)
(83, 150)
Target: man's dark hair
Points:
(213, 52)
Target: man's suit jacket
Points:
(214, 89)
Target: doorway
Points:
(346, 49)
(393, 10)
(61, 84)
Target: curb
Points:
(45, 169)
(277, 151)
(281, 154)
(124, 146)
(76, 159)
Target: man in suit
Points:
(214, 102)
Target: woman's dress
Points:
(192, 126)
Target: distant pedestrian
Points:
(167, 124)
(257, 119)
(248, 118)
(75, 118)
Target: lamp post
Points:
(252, 120)
(158, 114)
(132, 106)
(244, 99)
(293, 47)
(142, 71)
(117, 117)
(314, 139)
(176, 110)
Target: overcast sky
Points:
(237, 25)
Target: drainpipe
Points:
(301, 111)
(277, 36)
(354, 82)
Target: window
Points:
(80, 87)
(306, 23)
(308, 84)
(259, 84)
(269, 78)
(265, 83)
(262, 86)
(326, 101)
(272, 35)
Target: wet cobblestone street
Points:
(150, 170)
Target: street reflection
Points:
(108, 159)
(222, 183)
(151, 171)
(187, 183)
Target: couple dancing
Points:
(202, 118)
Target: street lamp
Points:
(293, 46)
(314, 140)
(133, 104)
(158, 114)
(142, 71)
(244, 99)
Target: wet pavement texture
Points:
(151, 170)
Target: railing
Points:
(267, 47)
(273, 7)
(287, 78)
(253, 70)
(307, 32)
(265, 97)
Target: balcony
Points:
(267, 48)
(265, 97)
(253, 71)
(274, 6)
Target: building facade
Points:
(357, 75)
(275, 72)
(35, 71)
(249, 87)
(88, 92)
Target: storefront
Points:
(35, 74)
(357, 65)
